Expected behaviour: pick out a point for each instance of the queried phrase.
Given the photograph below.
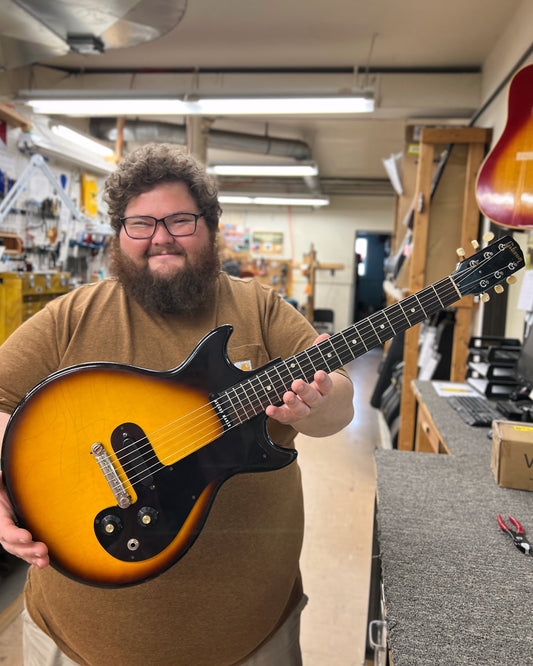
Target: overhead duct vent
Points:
(85, 44)
(34, 30)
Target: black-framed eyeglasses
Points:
(177, 224)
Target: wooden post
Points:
(309, 266)
(476, 138)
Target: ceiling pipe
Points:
(78, 71)
(146, 131)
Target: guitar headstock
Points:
(489, 267)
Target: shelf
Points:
(444, 216)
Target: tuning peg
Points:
(511, 279)
(485, 298)
(488, 236)
(498, 289)
(460, 253)
(475, 244)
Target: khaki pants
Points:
(283, 649)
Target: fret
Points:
(402, 321)
(381, 326)
(317, 359)
(295, 366)
(239, 410)
(285, 375)
(369, 337)
(354, 343)
(314, 365)
(392, 331)
(329, 352)
(306, 364)
(262, 400)
(412, 310)
(438, 297)
(447, 290)
(431, 299)
(268, 387)
(275, 383)
(417, 297)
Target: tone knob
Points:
(147, 516)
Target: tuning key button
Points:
(474, 244)
(147, 516)
(511, 279)
(110, 524)
(485, 298)
(488, 236)
(460, 252)
(498, 289)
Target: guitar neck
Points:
(252, 396)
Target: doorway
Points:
(371, 251)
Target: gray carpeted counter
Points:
(457, 591)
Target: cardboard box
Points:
(512, 454)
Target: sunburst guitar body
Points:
(505, 181)
(115, 467)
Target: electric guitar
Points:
(115, 467)
(505, 182)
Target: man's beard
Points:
(187, 292)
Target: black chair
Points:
(323, 320)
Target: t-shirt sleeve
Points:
(27, 357)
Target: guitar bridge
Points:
(116, 485)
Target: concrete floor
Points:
(339, 489)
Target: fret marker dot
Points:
(412, 310)
(269, 387)
(382, 326)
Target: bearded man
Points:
(235, 596)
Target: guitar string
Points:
(207, 409)
(195, 424)
(199, 442)
(195, 444)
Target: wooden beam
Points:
(456, 135)
(13, 117)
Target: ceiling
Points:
(422, 57)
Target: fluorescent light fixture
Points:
(279, 170)
(43, 140)
(82, 141)
(84, 105)
(315, 202)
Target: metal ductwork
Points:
(34, 30)
(146, 131)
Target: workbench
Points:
(456, 589)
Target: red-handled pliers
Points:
(517, 535)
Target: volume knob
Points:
(110, 524)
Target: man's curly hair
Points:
(151, 165)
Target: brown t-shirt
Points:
(241, 577)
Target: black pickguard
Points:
(166, 498)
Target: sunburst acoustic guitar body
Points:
(505, 181)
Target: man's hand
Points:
(319, 408)
(302, 399)
(17, 541)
